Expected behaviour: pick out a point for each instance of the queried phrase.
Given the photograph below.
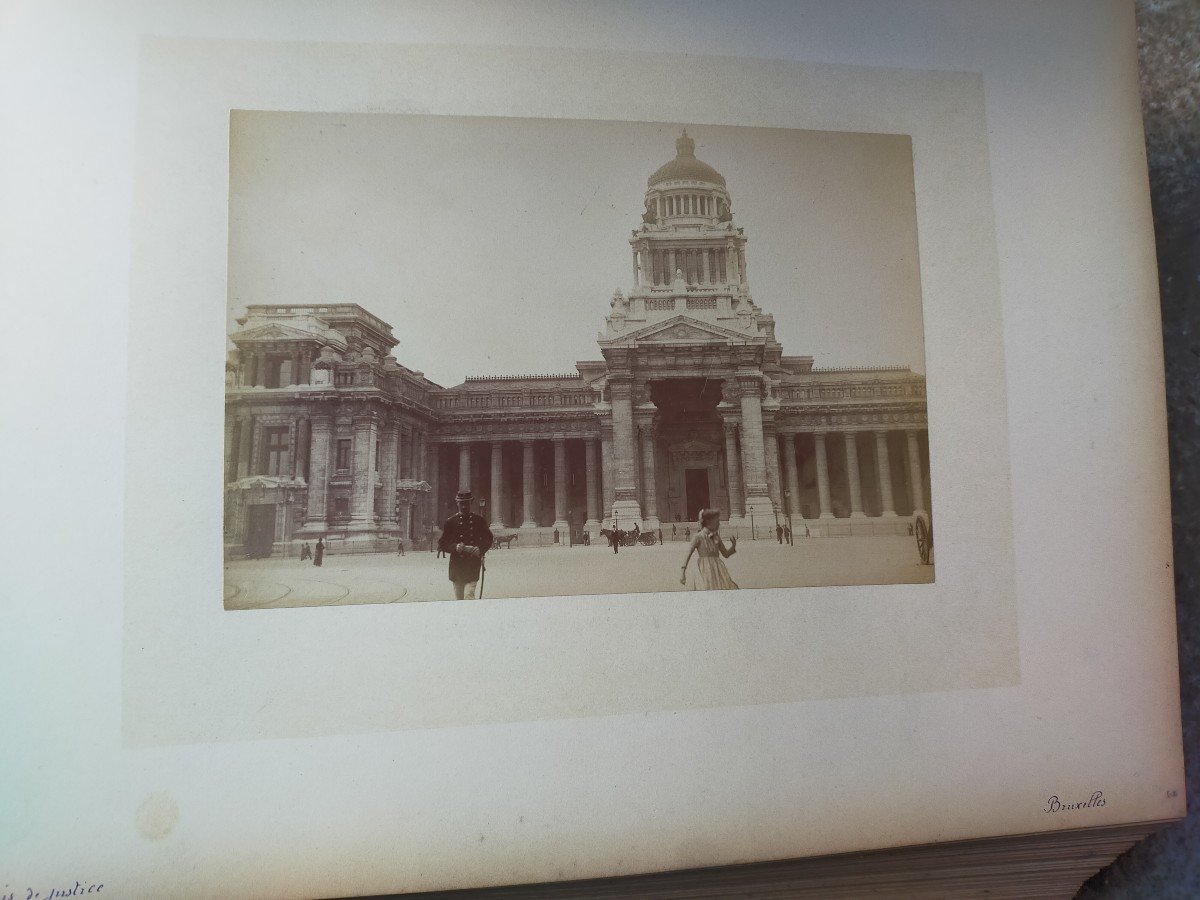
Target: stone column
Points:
(856, 510)
(650, 477)
(733, 472)
(497, 484)
(758, 503)
(464, 466)
(625, 493)
(363, 475)
(793, 475)
(433, 474)
(731, 263)
(593, 499)
(885, 474)
(318, 472)
(636, 281)
(823, 477)
(742, 262)
(914, 474)
(704, 265)
(527, 485)
(671, 273)
(388, 449)
(560, 485)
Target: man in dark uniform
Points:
(466, 537)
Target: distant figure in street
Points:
(710, 549)
(305, 552)
(674, 530)
(687, 531)
(660, 537)
(319, 553)
(614, 540)
(806, 532)
(438, 533)
(466, 538)
(779, 533)
(400, 547)
(787, 533)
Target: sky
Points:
(493, 245)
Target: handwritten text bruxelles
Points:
(52, 894)
(1054, 805)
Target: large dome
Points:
(686, 166)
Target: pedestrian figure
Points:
(779, 533)
(466, 538)
(660, 537)
(614, 540)
(709, 550)
(806, 534)
(400, 547)
(305, 552)
(687, 532)
(787, 533)
(319, 553)
(674, 531)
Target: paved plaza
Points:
(554, 571)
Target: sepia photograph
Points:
(485, 358)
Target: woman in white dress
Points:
(709, 550)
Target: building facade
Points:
(692, 404)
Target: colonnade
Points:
(700, 266)
(496, 491)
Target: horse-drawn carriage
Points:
(629, 538)
(923, 531)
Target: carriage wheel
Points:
(924, 539)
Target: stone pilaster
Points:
(650, 477)
(527, 485)
(363, 475)
(916, 482)
(771, 461)
(823, 498)
(758, 503)
(593, 499)
(560, 484)
(793, 477)
(497, 484)
(389, 447)
(883, 464)
(607, 475)
(625, 503)
(733, 472)
(852, 474)
(318, 474)
(245, 441)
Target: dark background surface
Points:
(1167, 864)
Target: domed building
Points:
(693, 404)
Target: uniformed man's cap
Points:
(463, 495)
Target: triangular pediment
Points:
(685, 330)
(273, 331)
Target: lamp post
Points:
(570, 528)
(753, 536)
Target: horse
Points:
(505, 541)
